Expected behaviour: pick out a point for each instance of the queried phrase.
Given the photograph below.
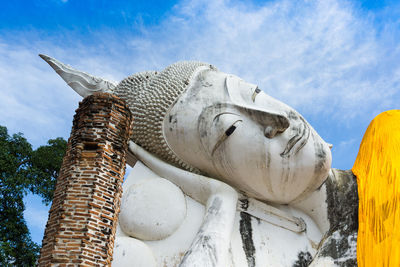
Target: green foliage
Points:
(22, 170)
(45, 165)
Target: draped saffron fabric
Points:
(377, 168)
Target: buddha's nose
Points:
(271, 132)
(281, 123)
(273, 122)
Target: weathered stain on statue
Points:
(204, 242)
(342, 236)
(304, 259)
(246, 233)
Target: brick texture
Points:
(82, 220)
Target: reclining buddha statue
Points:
(225, 175)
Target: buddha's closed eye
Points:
(230, 130)
(224, 125)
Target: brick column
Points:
(82, 220)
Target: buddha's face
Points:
(233, 131)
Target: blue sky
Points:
(337, 62)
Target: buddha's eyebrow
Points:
(223, 113)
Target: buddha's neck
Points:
(315, 205)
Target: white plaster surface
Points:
(323, 262)
(132, 252)
(152, 209)
(274, 245)
(168, 251)
(316, 206)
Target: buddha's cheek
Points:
(310, 168)
(257, 168)
(247, 161)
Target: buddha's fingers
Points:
(211, 245)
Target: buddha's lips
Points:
(298, 141)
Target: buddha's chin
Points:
(322, 168)
(323, 162)
(307, 178)
(319, 156)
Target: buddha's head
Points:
(206, 121)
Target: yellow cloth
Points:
(377, 168)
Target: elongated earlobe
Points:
(84, 84)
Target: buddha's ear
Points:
(82, 83)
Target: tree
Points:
(45, 166)
(22, 170)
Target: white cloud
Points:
(319, 56)
(323, 57)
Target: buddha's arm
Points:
(211, 244)
(197, 186)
